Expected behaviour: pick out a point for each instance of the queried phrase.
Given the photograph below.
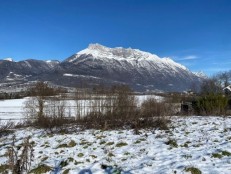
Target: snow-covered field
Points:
(200, 142)
(11, 109)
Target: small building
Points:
(187, 107)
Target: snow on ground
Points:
(11, 109)
(142, 98)
(200, 142)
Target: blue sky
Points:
(195, 33)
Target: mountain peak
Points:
(201, 74)
(96, 46)
(117, 53)
(9, 59)
(98, 51)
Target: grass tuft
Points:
(226, 153)
(216, 155)
(193, 170)
(41, 169)
(121, 144)
(3, 168)
(172, 143)
(80, 155)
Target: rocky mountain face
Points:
(98, 64)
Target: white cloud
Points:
(189, 57)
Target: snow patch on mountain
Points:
(9, 59)
(52, 63)
(200, 74)
(14, 77)
(131, 55)
(81, 76)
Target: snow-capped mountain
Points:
(122, 54)
(141, 70)
(98, 64)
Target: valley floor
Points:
(192, 143)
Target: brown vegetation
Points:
(20, 158)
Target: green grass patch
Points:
(196, 145)
(62, 146)
(66, 171)
(41, 169)
(85, 142)
(3, 168)
(225, 153)
(71, 159)
(110, 154)
(137, 142)
(85, 147)
(44, 158)
(93, 156)
(102, 142)
(78, 162)
(193, 170)
(216, 155)
(64, 163)
(72, 143)
(100, 137)
(172, 143)
(121, 144)
(80, 155)
(110, 143)
(126, 153)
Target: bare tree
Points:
(224, 78)
(211, 85)
(45, 108)
(35, 105)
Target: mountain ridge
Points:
(99, 64)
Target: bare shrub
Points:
(124, 104)
(45, 111)
(152, 108)
(117, 108)
(19, 159)
(113, 108)
(156, 113)
(35, 105)
(5, 127)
